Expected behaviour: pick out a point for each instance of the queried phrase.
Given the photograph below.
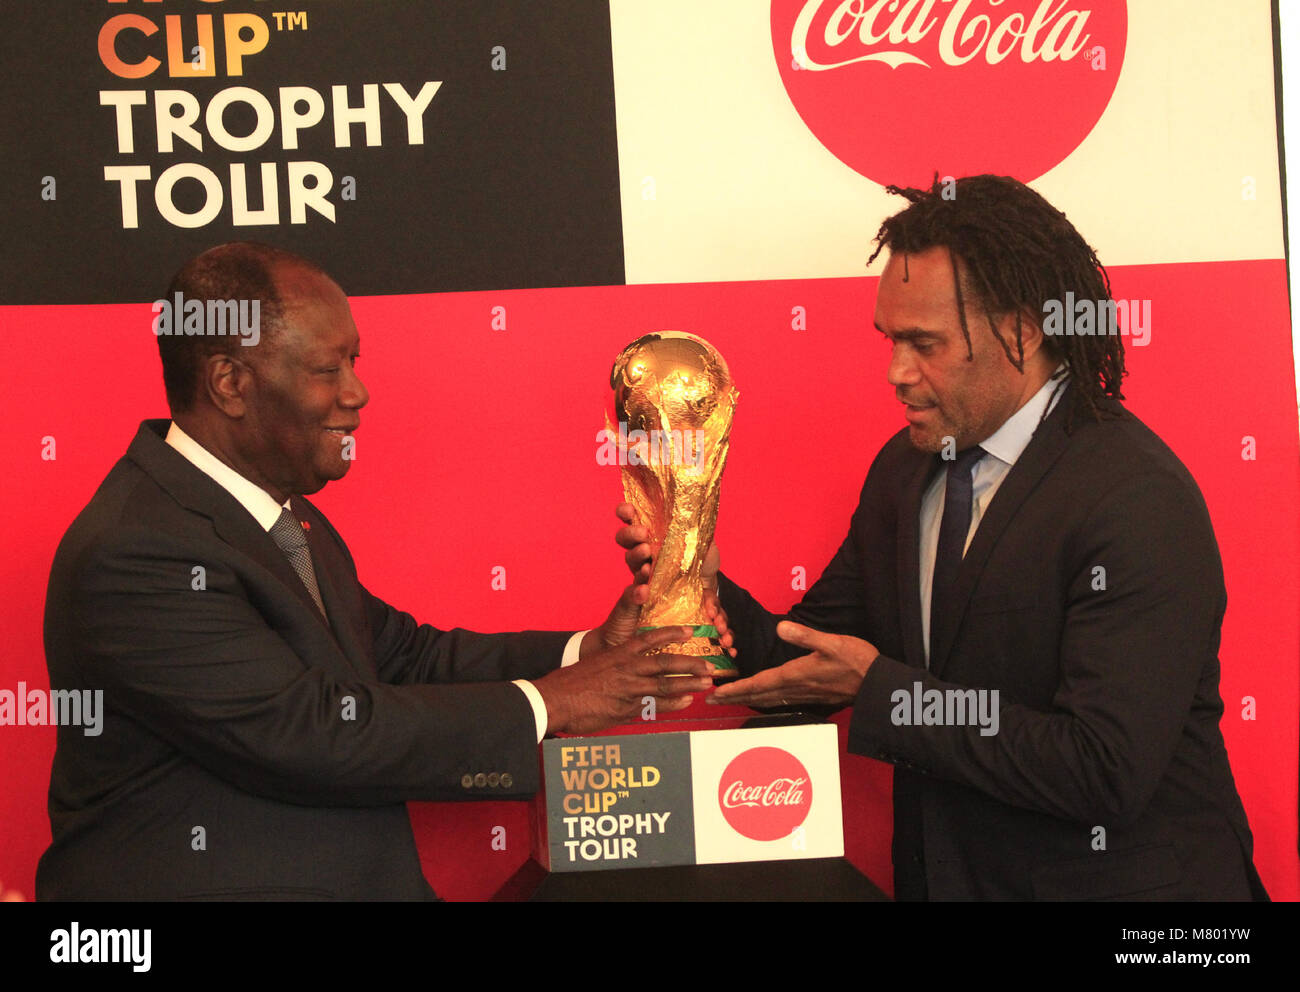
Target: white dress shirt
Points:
(1003, 447)
(266, 511)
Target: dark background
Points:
(516, 184)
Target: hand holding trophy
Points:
(675, 400)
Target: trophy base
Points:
(702, 644)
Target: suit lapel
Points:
(195, 491)
(909, 555)
(1044, 448)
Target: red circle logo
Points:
(765, 793)
(897, 89)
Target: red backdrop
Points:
(478, 450)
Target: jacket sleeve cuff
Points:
(870, 727)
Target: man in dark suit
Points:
(1025, 612)
(266, 717)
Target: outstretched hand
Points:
(610, 687)
(831, 674)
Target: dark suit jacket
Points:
(231, 705)
(1108, 681)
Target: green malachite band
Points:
(721, 661)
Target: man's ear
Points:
(1031, 332)
(225, 381)
(1032, 339)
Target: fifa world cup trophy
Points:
(674, 400)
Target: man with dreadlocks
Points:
(1025, 613)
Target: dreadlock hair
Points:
(1017, 252)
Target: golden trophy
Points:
(674, 400)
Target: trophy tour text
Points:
(166, 120)
(595, 781)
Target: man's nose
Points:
(902, 368)
(355, 394)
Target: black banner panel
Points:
(408, 146)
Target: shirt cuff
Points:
(570, 657)
(571, 650)
(535, 701)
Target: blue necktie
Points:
(952, 533)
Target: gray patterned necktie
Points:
(287, 533)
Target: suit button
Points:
(507, 780)
(467, 781)
(480, 780)
(494, 779)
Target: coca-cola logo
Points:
(765, 793)
(897, 89)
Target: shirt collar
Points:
(251, 497)
(1009, 441)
